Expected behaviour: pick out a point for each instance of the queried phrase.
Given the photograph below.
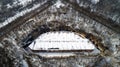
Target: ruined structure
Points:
(96, 21)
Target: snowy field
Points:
(61, 40)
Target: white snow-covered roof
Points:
(62, 40)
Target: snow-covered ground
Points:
(95, 1)
(63, 40)
(0, 7)
(24, 2)
(59, 4)
(19, 2)
(18, 14)
(52, 55)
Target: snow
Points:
(51, 55)
(96, 51)
(51, 18)
(16, 3)
(24, 63)
(63, 40)
(18, 15)
(108, 59)
(1, 45)
(115, 41)
(9, 6)
(95, 1)
(58, 4)
(24, 2)
(0, 7)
